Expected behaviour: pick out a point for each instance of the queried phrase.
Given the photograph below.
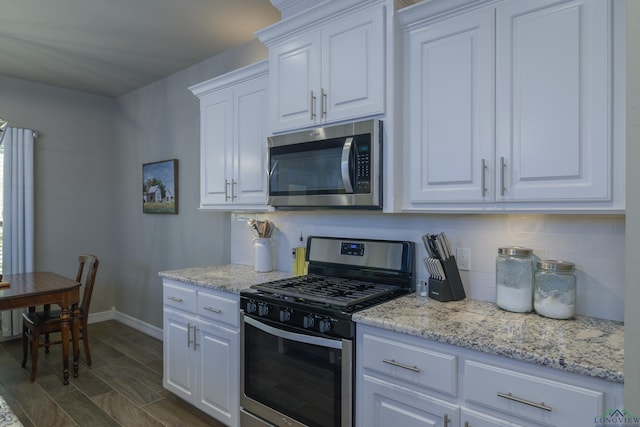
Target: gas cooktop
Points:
(332, 291)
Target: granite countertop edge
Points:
(463, 324)
(231, 278)
(591, 356)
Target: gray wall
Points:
(632, 238)
(74, 157)
(160, 122)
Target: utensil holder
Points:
(449, 289)
(263, 254)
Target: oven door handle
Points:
(345, 165)
(306, 339)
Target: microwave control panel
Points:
(363, 169)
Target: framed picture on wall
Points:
(160, 187)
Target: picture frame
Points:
(160, 187)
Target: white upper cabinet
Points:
(509, 107)
(233, 135)
(553, 93)
(326, 68)
(451, 91)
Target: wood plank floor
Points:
(123, 387)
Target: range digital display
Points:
(350, 248)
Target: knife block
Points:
(451, 288)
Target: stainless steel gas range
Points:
(297, 334)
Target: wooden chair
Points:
(47, 322)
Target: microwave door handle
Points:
(271, 171)
(345, 163)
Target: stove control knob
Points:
(251, 307)
(308, 321)
(263, 309)
(325, 325)
(285, 315)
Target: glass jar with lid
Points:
(514, 279)
(555, 289)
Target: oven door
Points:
(293, 379)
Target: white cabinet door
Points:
(331, 73)
(451, 109)
(179, 367)
(216, 148)
(202, 357)
(295, 82)
(353, 67)
(478, 419)
(218, 356)
(385, 405)
(250, 151)
(553, 106)
(233, 137)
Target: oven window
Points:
(302, 381)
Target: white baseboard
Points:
(141, 326)
(112, 314)
(102, 316)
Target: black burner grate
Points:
(332, 291)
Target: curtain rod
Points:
(35, 134)
(4, 123)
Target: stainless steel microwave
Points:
(332, 167)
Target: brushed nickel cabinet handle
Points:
(446, 420)
(195, 336)
(234, 190)
(189, 341)
(226, 190)
(213, 310)
(312, 100)
(503, 166)
(323, 104)
(467, 424)
(540, 405)
(401, 365)
(176, 299)
(483, 172)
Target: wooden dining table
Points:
(39, 288)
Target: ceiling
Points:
(111, 47)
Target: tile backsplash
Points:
(595, 243)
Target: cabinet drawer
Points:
(219, 308)
(533, 398)
(179, 297)
(411, 363)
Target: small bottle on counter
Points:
(555, 289)
(514, 279)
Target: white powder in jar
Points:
(514, 299)
(552, 307)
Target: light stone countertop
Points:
(231, 278)
(583, 345)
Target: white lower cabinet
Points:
(202, 349)
(395, 377)
(471, 418)
(388, 403)
(404, 380)
(536, 399)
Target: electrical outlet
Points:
(463, 258)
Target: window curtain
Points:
(18, 213)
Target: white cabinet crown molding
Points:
(428, 11)
(311, 19)
(233, 78)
